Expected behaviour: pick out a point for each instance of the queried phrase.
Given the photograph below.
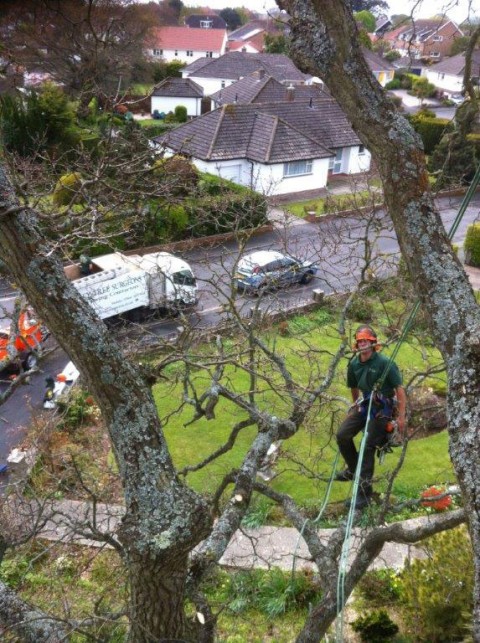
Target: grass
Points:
(334, 203)
(312, 450)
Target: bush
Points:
(379, 587)
(179, 175)
(67, 189)
(237, 209)
(437, 592)
(362, 309)
(471, 245)
(375, 627)
(394, 84)
(181, 114)
(430, 129)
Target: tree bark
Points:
(164, 518)
(325, 43)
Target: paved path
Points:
(261, 547)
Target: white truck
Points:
(134, 285)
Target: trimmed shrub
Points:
(472, 245)
(394, 84)
(430, 129)
(437, 592)
(67, 189)
(231, 210)
(181, 114)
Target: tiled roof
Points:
(419, 30)
(258, 88)
(265, 132)
(236, 64)
(245, 32)
(321, 119)
(455, 65)
(184, 87)
(376, 62)
(188, 39)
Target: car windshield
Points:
(184, 278)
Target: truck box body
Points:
(120, 283)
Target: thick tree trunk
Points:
(164, 519)
(161, 586)
(325, 43)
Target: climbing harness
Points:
(346, 544)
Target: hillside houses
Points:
(274, 148)
(428, 39)
(186, 44)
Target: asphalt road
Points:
(338, 245)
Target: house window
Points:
(296, 168)
(434, 54)
(441, 76)
(209, 54)
(361, 150)
(206, 24)
(437, 38)
(158, 52)
(189, 52)
(223, 84)
(176, 52)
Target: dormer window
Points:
(206, 24)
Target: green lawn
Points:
(312, 449)
(333, 203)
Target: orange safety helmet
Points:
(366, 332)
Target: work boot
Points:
(344, 476)
(362, 501)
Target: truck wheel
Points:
(307, 278)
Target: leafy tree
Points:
(459, 45)
(276, 43)
(38, 122)
(231, 17)
(91, 45)
(367, 19)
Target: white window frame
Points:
(158, 52)
(434, 54)
(209, 54)
(189, 52)
(206, 24)
(361, 150)
(297, 168)
(437, 38)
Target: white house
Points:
(448, 74)
(217, 74)
(177, 91)
(275, 148)
(186, 44)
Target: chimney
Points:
(290, 93)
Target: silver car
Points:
(266, 269)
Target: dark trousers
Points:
(376, 438)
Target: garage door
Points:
(232, 173)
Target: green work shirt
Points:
(363, 375)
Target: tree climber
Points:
(364, 377)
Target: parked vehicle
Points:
(457, 99)
(21, 352)
(117, 284)
(271, 269)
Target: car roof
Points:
(261, 257)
